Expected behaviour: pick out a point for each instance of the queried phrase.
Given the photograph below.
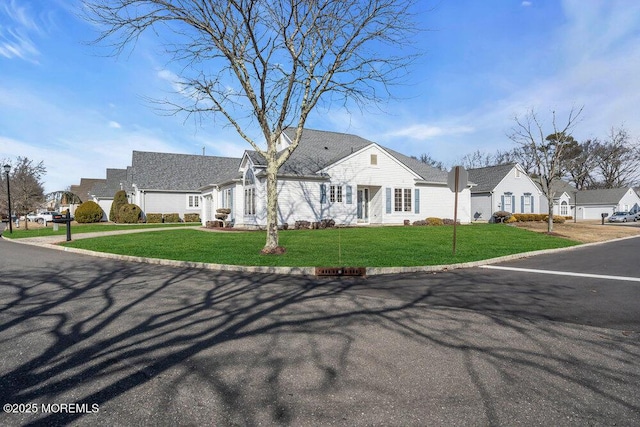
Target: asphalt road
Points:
(90, 341)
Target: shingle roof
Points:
(559, 187)
(83, 191)
(489, 177)
(180, 172)
(117, 179)
(609, 196)
(319, 149)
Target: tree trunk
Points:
(550, 220)
(271, 246)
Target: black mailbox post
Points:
(604, 215)
(65, 220)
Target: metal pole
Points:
(455, 209)
(9, 202)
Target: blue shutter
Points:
(532, 209)
(501, 203)
(522, 204)
(388, 190)
(513, 204)
(231, 203)
(323, 193)
(349, 195)
(417, 201)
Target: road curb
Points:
(309, 271)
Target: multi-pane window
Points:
(564, 208)
(193, 202)
(250, 201)
(335, 193)
(402, 199)
(407, 200)
(507, 203)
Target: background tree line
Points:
(612, 161)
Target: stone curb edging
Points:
(310, 271)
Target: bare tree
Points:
(27, 192)
(547, 150)
(269, 63)
(617, 160)
(477, 159)
(428, 160)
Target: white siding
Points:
(481, 207)
(156, 202)
(517, 188)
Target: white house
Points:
(502, 188)
(336, 176)
(166, 183)
(591, 204)
(102, 192)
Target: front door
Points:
(363, 205)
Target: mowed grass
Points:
(39, 231)
(364, 247)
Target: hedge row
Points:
(539, 217)
(155, 218)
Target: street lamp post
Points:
(7, 168)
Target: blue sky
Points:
(64, 102)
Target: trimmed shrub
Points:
(420, 222)
(172, 217)
(154, 218)
(192, 217)
(511, 220)
(434, 221)
(557, 219)
(129, 214)
(119, 200)
(449, 221)
(88, 212)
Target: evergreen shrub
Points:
(192, 217)
(119, 200)
(154, 218)
(88, 212)
(172, 217)
(434, 221)
(129, 214)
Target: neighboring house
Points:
(591, 204)
(502, 188)
(564, 193)
(102, 193)
(165, 183)
(83, 190)
(335, 176)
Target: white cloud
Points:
(526, 3)
(16, 29)
(114, 125)
(424, 132)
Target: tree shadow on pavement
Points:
(170, 346)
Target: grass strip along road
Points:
(361, 246)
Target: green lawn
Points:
(19, 233)
(365, 247)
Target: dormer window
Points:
(374, 160)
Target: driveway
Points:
(155, 345)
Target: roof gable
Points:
(488, 178)
(320, 149)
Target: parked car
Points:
(622, 217)
(44, 217)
